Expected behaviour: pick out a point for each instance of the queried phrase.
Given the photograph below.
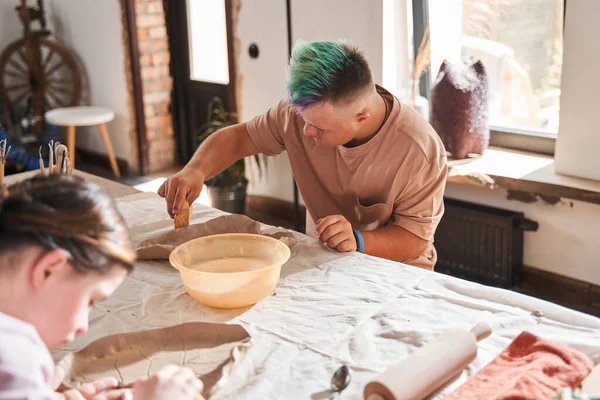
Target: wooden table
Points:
(328, 309)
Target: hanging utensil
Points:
(42, 168)
(69, 167)
(63, 159)
(3, 154)
(51, 157)
(56, 157)
(4, 151)
(59, 152)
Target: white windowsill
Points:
(524, 172)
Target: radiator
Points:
(481, 244)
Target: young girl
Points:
(63, 247)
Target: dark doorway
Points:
(192, 50)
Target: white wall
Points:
(397, 51)
(567, 241)
(93, 32)
(358, 21)
(578, 140)
(10, 26)
(262, 85)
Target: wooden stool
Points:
(84, 116)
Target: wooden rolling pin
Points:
(428, 368)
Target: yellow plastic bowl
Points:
(230, 270)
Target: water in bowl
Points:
(231, 264)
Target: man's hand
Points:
(336, 231)
(185, 185)
(213, 156)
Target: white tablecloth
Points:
(329, 309)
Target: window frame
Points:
(517, 139)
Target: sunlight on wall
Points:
(153, 185)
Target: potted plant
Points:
(227, 190)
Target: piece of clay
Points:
(160, 247)
(155, 252)
(537, 313)
(286, 237)
(183, 218)
(203, 347)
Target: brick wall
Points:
(157, 83)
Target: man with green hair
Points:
(371, 170)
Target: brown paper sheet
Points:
(160, 247)
(204, 347)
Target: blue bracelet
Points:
(360, 242)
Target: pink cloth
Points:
(530, 368)
(26, 367)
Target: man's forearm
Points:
(394, 243)
(221, 150)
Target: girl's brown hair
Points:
(69, 213)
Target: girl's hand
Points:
(103, 389)
(171, 382)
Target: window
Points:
(208, 41)
(519, 43)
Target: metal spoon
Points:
(340, 379)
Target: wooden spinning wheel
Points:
(39, 68)
(35, 69)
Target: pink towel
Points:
(529, 369)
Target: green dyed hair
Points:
(334, 71)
